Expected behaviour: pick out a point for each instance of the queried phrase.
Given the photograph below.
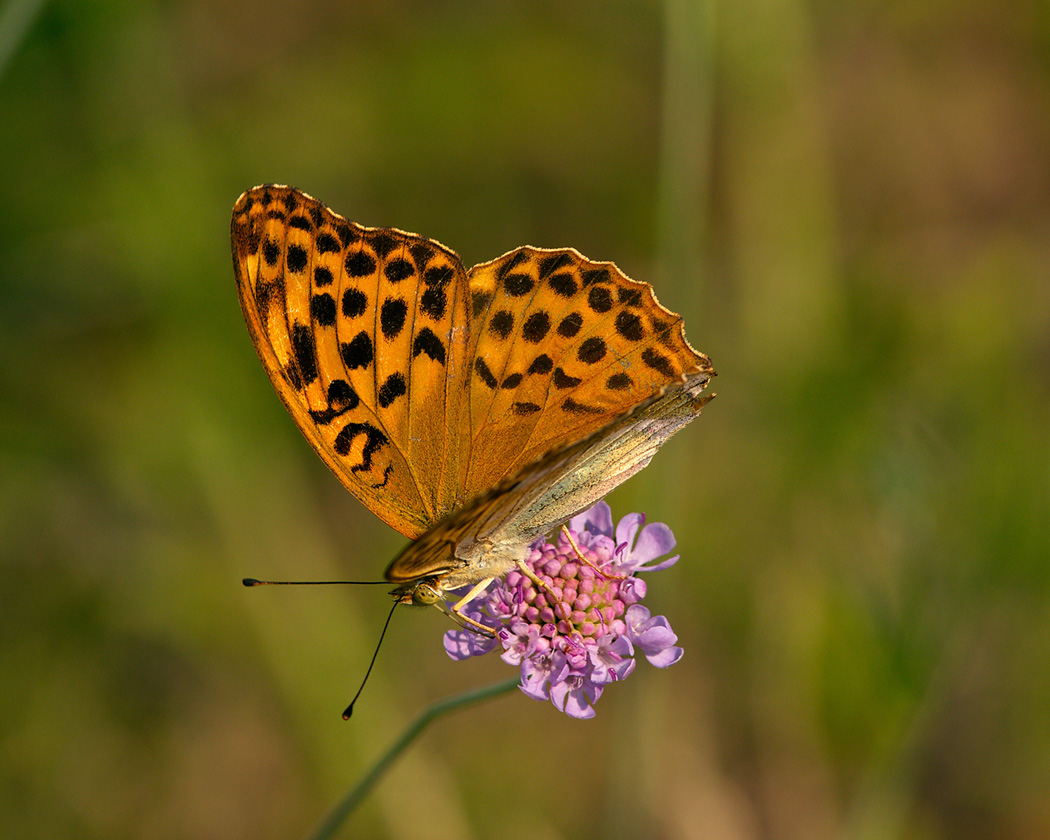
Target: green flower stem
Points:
(345, 807)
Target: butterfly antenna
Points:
(350, 709)
(254, 582)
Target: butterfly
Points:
(472, 411)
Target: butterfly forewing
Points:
(359, 346)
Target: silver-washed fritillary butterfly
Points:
(473, 411)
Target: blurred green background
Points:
(850, 205)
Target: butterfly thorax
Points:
(442, 560)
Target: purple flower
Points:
(580, 631)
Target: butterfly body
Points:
(472, 411)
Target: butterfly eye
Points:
(425, 594)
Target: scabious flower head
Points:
(580, 631)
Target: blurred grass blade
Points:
(15, 21)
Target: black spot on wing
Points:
(570, 325)
(322, 309)
(359, 263)
(536, 327)
(519, 257)
(439, 275)
(573, 407)
(271, 251)
(502, 323)
(391, 389)
(427, 342)
(629, 297)
(422, 253)
(305, 352)
(563, 285)
(542, 364)
(357, 353)
(518, 285)
(269, 294)
(433, 302)
(658, 362)
(629, 326)
(552, 262)
(592, 350)
(595, 275)
(599, 299)
(297, 259)
(398, 269)
(478, 301)
(374, 439)
(662, 331)
(346, 233)
(327, 244)
(392, 317)
(355, 302)
(341, 399)
(562, 380)
(383, 243)
(341, 396)
(485, 374)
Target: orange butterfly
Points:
(473, 411)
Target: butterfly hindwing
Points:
(562, 345)
(489, 534)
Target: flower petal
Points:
(597, 520)
(626, 530)
(654, 541)
(518, 640)
(463, 644)
(534, 685)
(576, 705)
(656, 567)
(666, 657)
(574, 697)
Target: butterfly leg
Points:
(531, 575)
(601, 572)
(457, 608)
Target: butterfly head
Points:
(421, 593)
